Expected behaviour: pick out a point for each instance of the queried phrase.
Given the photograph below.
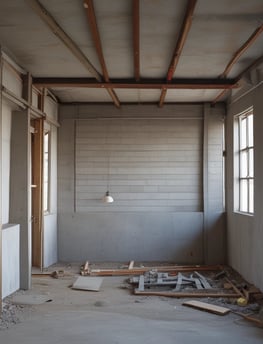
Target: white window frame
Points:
(246, 162)
(46, 192)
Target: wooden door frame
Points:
(37, 192)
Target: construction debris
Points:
(88, 283)
(250, 318)
(57, 274)
(152, 278)
(84, 270)
(207, 307)
(132, 270)
(195, 285)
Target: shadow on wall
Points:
(215, 243)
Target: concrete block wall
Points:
(123, 232)
(148, 165)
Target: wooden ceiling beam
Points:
(91, 17)
(143, 84)
(136, 39)
(242, 50)
(40, 10)
(235, 58)
(179, 45)
(253, 65)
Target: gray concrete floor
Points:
(113, 315)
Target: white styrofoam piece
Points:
(88, 283)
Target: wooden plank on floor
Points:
(234, 287)
(203, 306)
(138, 271)
(185, 294)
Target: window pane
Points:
(250, 131)
(46, 172)
(243, 164)
(251, 196)
(243, 132)
(251, 162)
(243, 195)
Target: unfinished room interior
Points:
(131, 204)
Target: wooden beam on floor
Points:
(41, 11)
(138, 271)
(179, 45)
(92, 21)
(180, 294)
(136, 39)
(204, 306)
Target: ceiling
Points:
(134, 51)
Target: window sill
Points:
(243, 213)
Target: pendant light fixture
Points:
(107, 198)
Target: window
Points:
(246, 162)
(46, 171)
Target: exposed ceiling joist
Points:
(253, 65)
(235, 58)
(179, 45)
(143, 84)
(90, 12)
(61, 34)
(136, 38)
(241, 50)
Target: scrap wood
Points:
(85, 269)
(54, 274)
(57, 274)
(234, 288)
(250, 318)
(41, 275)
(220, 274)
(252, 292)
(184, 294)
(204, 306)
(138, 271)
(131, 265)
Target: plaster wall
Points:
(245, 232)
(10, 259)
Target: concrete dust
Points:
(13, 314)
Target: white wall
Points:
(10, 259)
(245, 233)
(11, 232)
